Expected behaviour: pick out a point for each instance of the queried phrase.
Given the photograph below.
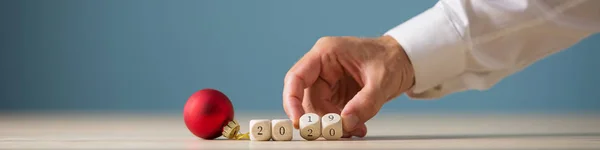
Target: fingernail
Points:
(296, 125)
(350, 122)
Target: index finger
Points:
(301, 76)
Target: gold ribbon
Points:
(231, 131)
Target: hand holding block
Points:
(310, 126)
(260, 130)
(282, 129)
(332, 126)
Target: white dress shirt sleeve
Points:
(460, 45)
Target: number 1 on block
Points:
(310, 126)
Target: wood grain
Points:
(386, 131)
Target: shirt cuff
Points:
(435, 47)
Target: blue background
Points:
(151, 55)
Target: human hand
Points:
(351, 76)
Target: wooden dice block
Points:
(310, 126)
(282, 130)
(260, 130)
(332, 126)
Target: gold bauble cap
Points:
(231, 131)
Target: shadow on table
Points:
(477, 136)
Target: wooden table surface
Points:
(386, 131)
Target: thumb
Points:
(362, 107)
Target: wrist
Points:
(406, 67)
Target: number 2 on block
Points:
(260, 128)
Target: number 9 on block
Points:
(332, 126)
(310, 126)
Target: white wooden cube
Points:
(282, 130)
(260, 130)
(310, 126)
(332, 126)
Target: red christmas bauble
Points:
(206, 112)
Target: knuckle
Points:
(326, 39)
(296, 78)
(287, 78)
(329, 44)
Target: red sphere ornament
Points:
(206, 112)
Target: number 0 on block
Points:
(281, 129)
(332, 126)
